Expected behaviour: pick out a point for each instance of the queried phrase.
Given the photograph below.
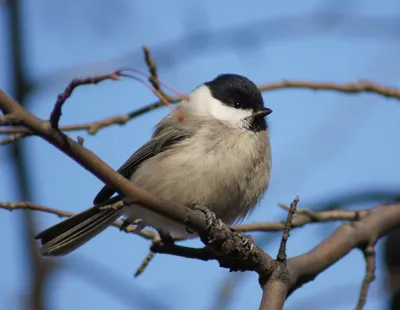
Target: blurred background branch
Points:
(39, 268)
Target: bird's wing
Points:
(163, 138)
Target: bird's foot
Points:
(210, 216)
(247, 242)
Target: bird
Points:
(216, 157)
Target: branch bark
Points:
(358, 234)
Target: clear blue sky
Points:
(324, 143)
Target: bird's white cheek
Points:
(205, 105)
(228, 114)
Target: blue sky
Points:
(324, 143)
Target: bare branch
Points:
(153, 79)
(370, 257)
(275, 286)
(94, 127)
(348, 88)
(302, 218)
(26, 205)
(8, 120)
(370, 227)
(219, 237)
(281, 258)
(56, 113)
(304, 268)
(229, 247)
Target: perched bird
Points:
(217, 157)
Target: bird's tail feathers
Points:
(73, 232)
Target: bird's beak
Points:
(264, 112)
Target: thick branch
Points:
(370, 227)
(218, 237)
(367, 226)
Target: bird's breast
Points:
(225, 172)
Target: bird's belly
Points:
(215, 179)
(189, 183)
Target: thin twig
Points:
(275, 291)
(14, 136)
(362, 86)
(370, 262)
(151, 64)
(160, 95)
(299, 221)
(26, 205)
(57, 110)
(146, 261)
(8, 120)
(281, 257)
(94, 127)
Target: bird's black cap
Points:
(239, 92)
(236, 91)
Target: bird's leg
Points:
(166, 238)
(140, 224)
(125, 224)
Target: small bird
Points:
(216, 157)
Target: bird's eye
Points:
(237, 105)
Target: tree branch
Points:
(370, 257)
(370, 227)
(26, 205)
(56, 113)
(242, 252)
(93, 127)
(366, 227)
(281, 258)
(233, 250)
(302, 218)
(151, 64)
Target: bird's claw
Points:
(210, 216)
(247, 242)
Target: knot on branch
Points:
(278, 272)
